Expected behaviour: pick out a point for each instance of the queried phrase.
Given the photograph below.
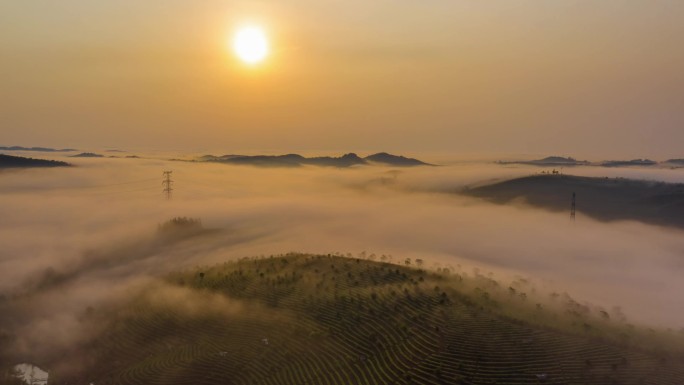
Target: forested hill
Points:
(606, 199)
(315, 319)
(9, 161)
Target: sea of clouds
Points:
(77, 237)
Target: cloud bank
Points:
(83, 236)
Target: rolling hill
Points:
(606, 199)
(394, 160)
(324, 319)
(676, 162)
(296, 160)
(549, 161)
(628, 163)
(10, 161)
(87, 155)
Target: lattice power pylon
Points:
(167, 182)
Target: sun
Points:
(250, 44)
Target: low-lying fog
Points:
(92, 225)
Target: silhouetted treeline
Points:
(9, 161)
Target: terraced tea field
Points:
(303, 319)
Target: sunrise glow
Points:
(250, 44)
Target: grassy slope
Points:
(336, 320)
(601, 198)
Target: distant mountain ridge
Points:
(39, 149)
(87, 155)
(549, 161)
(10, 161)
(633, 162)
(563, 161)
(678, 162)
(296, 160)
(395, 160)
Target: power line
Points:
(113, 188)
(119, 184)
(100, 186)
(167, 182)
(118, 192)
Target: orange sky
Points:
(585, 78)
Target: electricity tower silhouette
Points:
(572, 207)
(167, 182)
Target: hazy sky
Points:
(585, 78)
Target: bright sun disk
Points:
(250, 45)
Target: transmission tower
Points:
(167, 182)
(572, 208)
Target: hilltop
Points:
(329, 319)
(549, 161)
(87, 155)
(675, 162)
(606, 199)
(296, 160)
(559, 161)
(9, 161)
(394, 160)
(626, 163)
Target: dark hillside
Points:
(87, 155)
(296, 160)
(303, 319)
(38, 149)
(606, 199)
(395, 160)
(549, 161)
(9, 161)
